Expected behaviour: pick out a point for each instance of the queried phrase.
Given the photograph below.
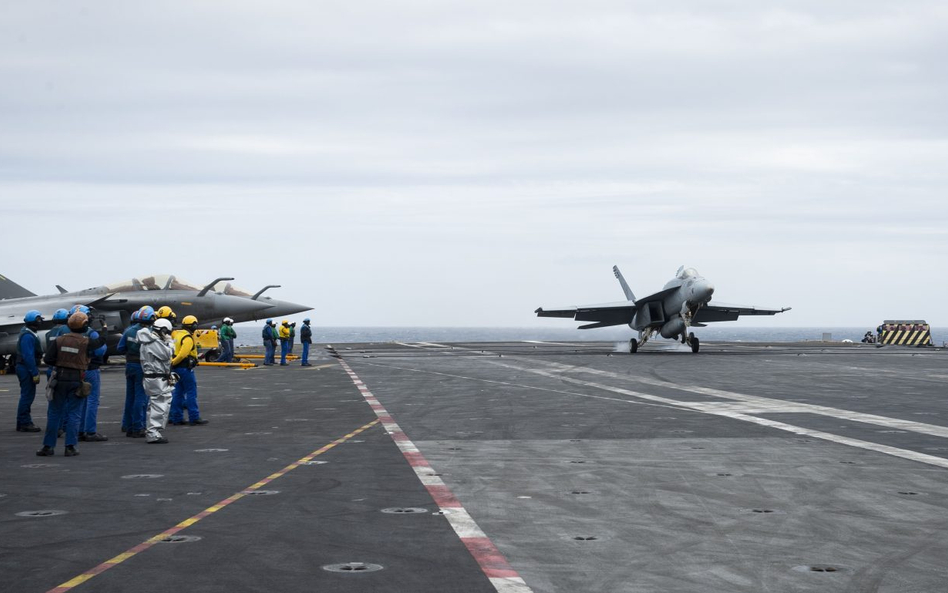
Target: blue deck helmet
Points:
(80, 308)
(32, 316)
(61, 315)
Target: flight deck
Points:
(512, 467)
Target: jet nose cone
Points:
(283, 308)
(702, 291)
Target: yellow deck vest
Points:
(179, 335)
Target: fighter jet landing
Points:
(683, 303)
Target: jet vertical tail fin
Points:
(11, 290)
(625, 286)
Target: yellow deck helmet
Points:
(166, 313)
(189, 322)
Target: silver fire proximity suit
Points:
(156, 354)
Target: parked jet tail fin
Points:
(625, 286)
(11, 290)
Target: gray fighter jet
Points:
(682, 304)
(113, 304)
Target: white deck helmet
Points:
(163, 325)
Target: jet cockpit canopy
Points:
(156, 282)
(685, 273)
(228, 288)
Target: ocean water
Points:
(249, 334)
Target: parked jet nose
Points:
(701, 291)
(241, 309)
(283, 308)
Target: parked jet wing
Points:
(726, 312)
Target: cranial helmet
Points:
(81, 308)
(61, 315)
(78, 321)
(228, 320)
(166, 313)
(163, 325)
(190, 320)
(136, 316)
(146, 314)
(32, 316)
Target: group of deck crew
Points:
(285, 334)
(159, 373)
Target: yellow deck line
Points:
(115, 561)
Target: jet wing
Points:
(658, 296)
(725, 312)
(604, 315)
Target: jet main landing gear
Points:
(634, 344)
(695, 343)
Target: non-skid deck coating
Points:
(743, 468)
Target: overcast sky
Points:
(461, 163)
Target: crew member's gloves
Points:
(36, 380)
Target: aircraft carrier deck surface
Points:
(504, 467)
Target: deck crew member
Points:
(157, 350)
(70, 354)
(59, 328)
(292, 336)
(227, 336)
(89, 408)
(306, 338)
(29, 352)
(82, 410)
(269, 346)
(284, 341)
(124, 349)
(183, 363)
(275, 332)
(133, 418)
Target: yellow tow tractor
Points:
(209, 340)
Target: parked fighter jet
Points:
(113, 304)
(683, 303)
